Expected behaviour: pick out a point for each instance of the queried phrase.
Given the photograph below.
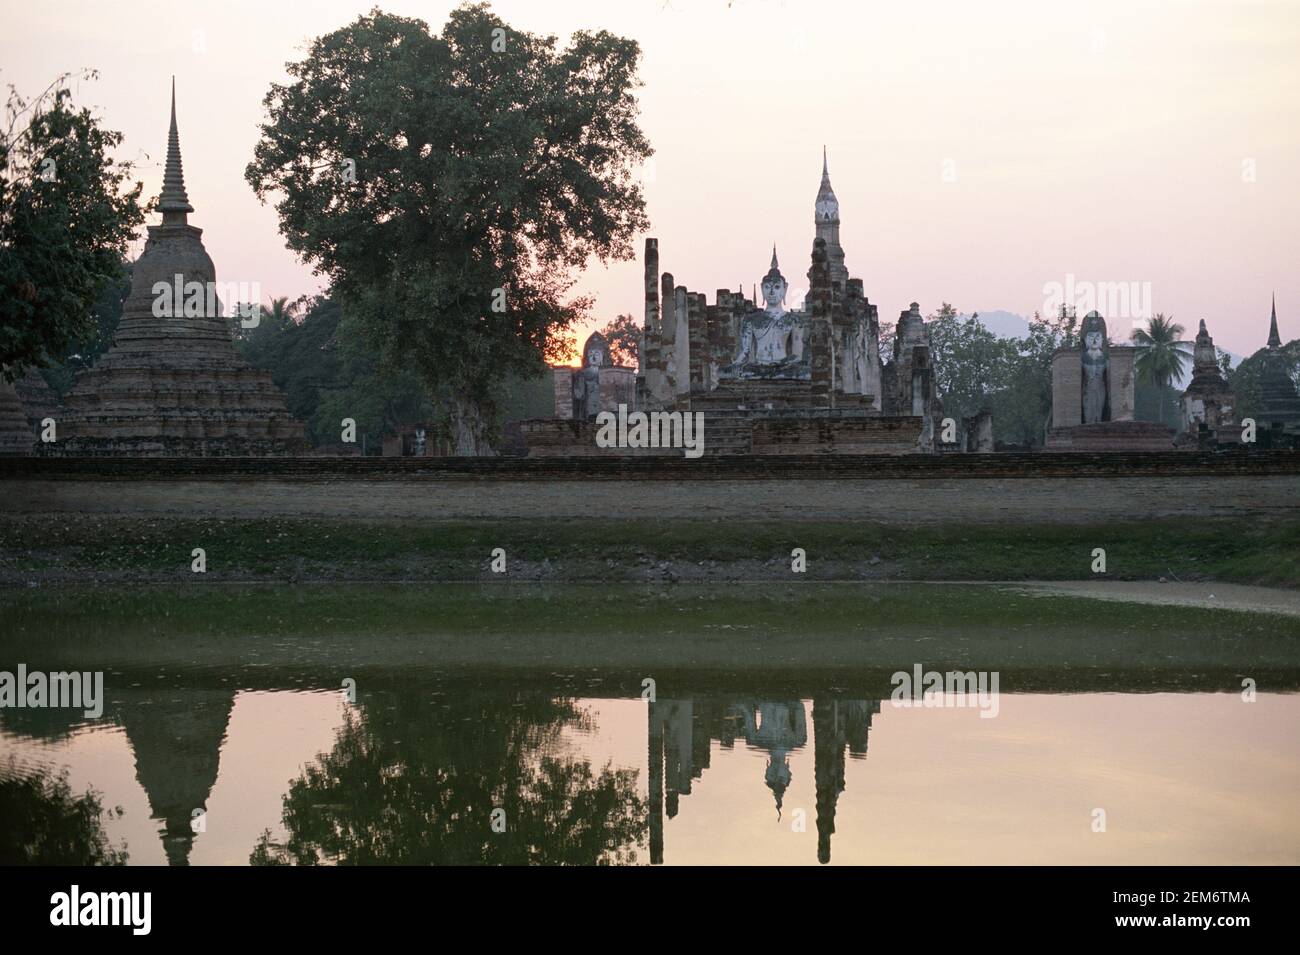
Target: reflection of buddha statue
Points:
(777, 727)
(777, 777)
(1095, 369)
(771, 341)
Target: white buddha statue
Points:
(771, 341)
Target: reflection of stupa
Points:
(176, 736)
(681, 731)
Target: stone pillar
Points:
(718, 317)
(563, 392)
(698, 332)
(650, 368)
(681, 344)
(1122, 384)
(983, 432)
(1067, 398)
(874, 384)
(667, 394)
(819, 339)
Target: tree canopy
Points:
(624, 336)
(317, 357)
(449, 185)
(67, 215)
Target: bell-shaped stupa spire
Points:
(827, 206)
(172, 201)
(1274, 339)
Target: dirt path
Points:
(1209, 595)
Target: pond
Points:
(650, 725)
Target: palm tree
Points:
(1161, 355)
(282, 312)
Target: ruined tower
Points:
(826, 217)
(173, 384)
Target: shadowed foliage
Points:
(66, 216)
(45, 824)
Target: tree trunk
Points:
(468, 429)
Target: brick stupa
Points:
(173, 384)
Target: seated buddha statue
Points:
(771, 341)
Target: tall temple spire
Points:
(826, 218)
(172, 201)
(827, 206)
(1274, 339)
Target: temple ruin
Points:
(772, 380)
(1094, 397)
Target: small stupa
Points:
(173, 384)
(1207, 404)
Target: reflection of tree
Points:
(44, 824)
(413, 782)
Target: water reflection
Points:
(412, 783)
(504, 725)
(413, 771)
(681, 733)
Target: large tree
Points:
(450, 185)
(67, 213)
(971, 363)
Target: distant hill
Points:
(1004, 324)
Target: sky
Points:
(984, 154)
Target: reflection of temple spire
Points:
(177, 746)
(836, 724)
(655, 765)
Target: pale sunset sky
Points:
(979, 151)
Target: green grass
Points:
(690, 636)
(75, 548)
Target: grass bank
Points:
(796, 637)
(91, 548)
